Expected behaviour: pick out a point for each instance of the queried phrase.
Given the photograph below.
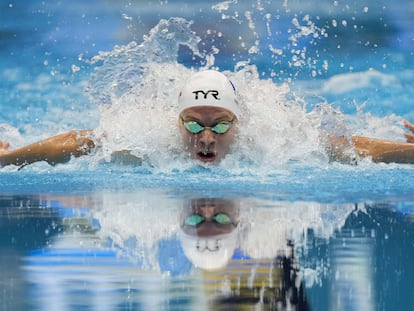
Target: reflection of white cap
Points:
(209, 88)
(210, 253)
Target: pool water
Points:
(303, 234)
(127, 251)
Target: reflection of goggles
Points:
(196, 220)
(220, 128)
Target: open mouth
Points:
(206, 156)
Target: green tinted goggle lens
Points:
(195, 128)
(196, 219)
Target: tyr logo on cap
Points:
(213, 93)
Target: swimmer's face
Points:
(208, 209)
(207, 145)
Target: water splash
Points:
(122, 69)
(275, 127)
(286, 39)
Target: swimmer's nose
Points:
(207, 139)
(208, 212)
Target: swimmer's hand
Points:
(409, 136)
(54, 150)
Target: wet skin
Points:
(207, 146)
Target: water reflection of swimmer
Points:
(233, 281)
(208, 117)
(209, 231)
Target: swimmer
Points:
(207, 122)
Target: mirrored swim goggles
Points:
(220, 128)
(195, 220)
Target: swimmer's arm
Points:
(384, 150)
(54, 150)
(379, 150)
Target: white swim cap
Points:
(209, 88)
(209, 253)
